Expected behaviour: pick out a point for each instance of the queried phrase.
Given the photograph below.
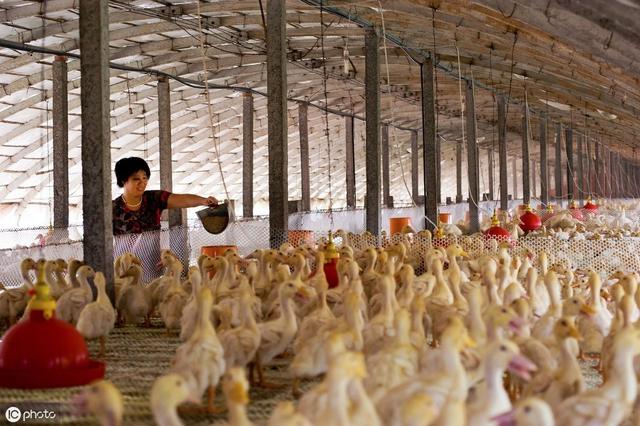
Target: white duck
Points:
(13, 301)
(595, 327)
(167, 392)
(202, 356)
(172, 304)
(276, 335)
(236, 393)
(611, 403)
(133, 302)
(241, 343)
(71, 303)
(285, 414)
(190, 311)
(528, 412)
(103, 400)
(98, 318)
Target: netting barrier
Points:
(604, 255)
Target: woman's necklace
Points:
(129, 204)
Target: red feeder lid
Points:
(530, 221)
(44, 352)
(590, 206)
(496, 231)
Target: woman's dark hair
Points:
(126, 167)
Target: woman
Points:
(138, 210)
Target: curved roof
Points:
(575, 62)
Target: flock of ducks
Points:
(412, 335)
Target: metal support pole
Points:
(544, 162)
(60, 144)
(386, 197)
(429, 143)
(491, 173)
(502, 153)
(277, 122)
(97, 206)
(526, 174)
(303, 128)
(570, 163)
(415, 192)
(372, 144)
(350, 166)
(247, 154)
(472, 159)
(558, 162)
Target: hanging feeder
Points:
(530, 221)
(575, 211)
(215, 219)
(331, 257)
(497, 232)
(590, 207)
(43, 351)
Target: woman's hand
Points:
(210, 201)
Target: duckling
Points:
(490, 397)
(167, 392)
(236, 393)
(190, 311)
(381, 325)
(13, 301)
(320, 317)
(133, 302)
(394, 363)
(528, 412)
(285, 415)
(276, 335)
(103, 400)
(611, 403)
(172, 305)
(202, 355)
(567, 380)
(340, 400)
(71, 303)
(98, 318)
(241, 343)
(594, 327)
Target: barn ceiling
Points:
(574, 62)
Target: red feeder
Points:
(497, 232)
(530, 221)
(44, 352)
(331, 256)
(575, 211)
(590, 207)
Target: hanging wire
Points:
(395, 141)
(205, 78)
(326, 116)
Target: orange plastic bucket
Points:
(299, 237)
(444, 217)
(397, 223)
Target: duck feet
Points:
(211, 398)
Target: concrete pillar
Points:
(415, 192)
(491, 163)
(580, 158)
(427, 72)
(544, 162)
(459, 171)
(247, 154)
(438, 170)
(526, 188)
(96, 143)
(590, 188)
(570, 162)
(351, 165)
(60, 145)
(534, 180)
(597, 169)
(514, 171)
(179, 237)
(502, 153)
(372, 138)
(303, 127)
(472, 159)
(386, 191)
(277, 126)
(558, 162)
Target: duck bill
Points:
(505, 419)
(516, 325)
(304, 293)
(522, 367)
(587, 310)
(464, 254)
(573, 332)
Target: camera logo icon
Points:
(13, 414)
